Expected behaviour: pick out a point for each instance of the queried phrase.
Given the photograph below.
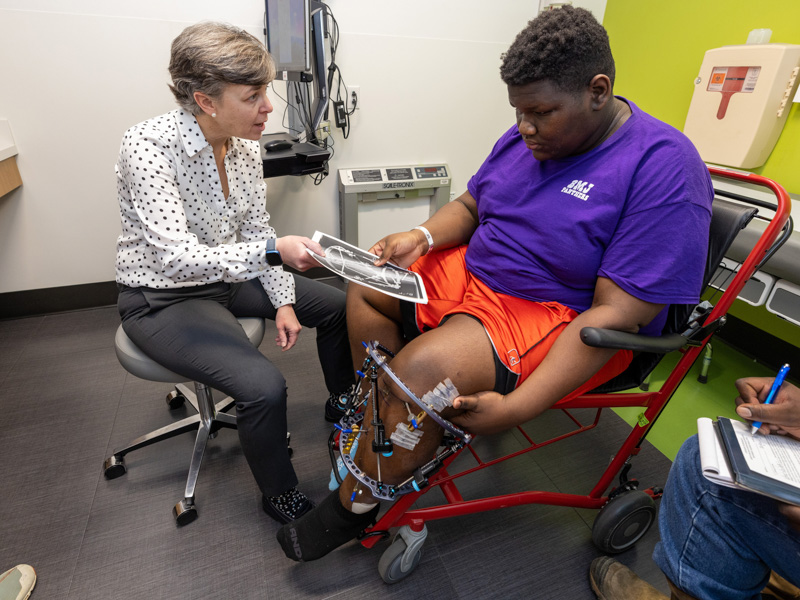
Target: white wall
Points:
(76, 75)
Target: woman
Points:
(197, 250)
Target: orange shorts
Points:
(520, 331)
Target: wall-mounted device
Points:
(281, 154)
(741, 99)
(391, 199)
(296, 32)
(289, 38)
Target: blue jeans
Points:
(721, 543)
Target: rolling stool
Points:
(207, 422)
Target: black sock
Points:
(322, 529)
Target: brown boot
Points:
(678, 594)
(778, 587)
(611, 580)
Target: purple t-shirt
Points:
(636, 209)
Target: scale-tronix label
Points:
(732, 80)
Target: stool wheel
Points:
(175, 400)
(623, 521)
(184, 512)
(113, 467)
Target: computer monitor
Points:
(296, 32)
(289, 36)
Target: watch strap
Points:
(273, 256)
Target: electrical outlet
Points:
(353, 97)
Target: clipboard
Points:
(744, 453)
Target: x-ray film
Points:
(356, 265)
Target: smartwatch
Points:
(273, 256)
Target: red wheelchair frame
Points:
(396, 562)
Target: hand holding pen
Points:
(776, 385)
(781, 416)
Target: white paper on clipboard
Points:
(356, 265)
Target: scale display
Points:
(430, 172)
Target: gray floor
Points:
(66, 404)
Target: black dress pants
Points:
(194, 332)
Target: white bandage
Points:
(361, 507)
(405, 438)
(441, 396)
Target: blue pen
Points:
(776, 385)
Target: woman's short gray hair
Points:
(208, 56)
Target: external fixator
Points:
(348, 429)
(380, 445)
(355, 401)
(430, 409)
(455, 438)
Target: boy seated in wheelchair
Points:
(587, 213)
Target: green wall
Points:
(659, 46)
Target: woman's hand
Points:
(484, 413)
(293, 251)
(288, 327)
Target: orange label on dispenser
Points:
(717, 78)
(730, 81)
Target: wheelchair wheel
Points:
(391, 567)
(623, 521)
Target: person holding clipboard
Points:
(718, 542)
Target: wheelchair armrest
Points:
(622, 340)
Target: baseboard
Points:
(758, 344)
(45, 301)
(31, 303)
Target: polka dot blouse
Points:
(178, 230)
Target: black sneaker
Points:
(321, 530)
(287, 507)
(336, 405)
